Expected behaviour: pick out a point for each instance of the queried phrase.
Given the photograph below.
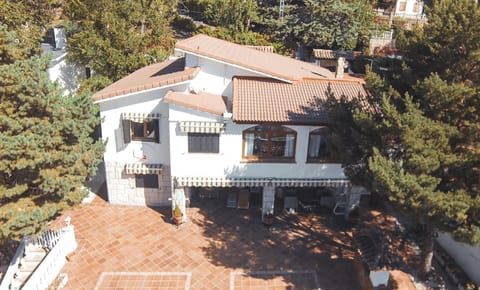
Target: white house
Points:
(227, 119)
(409, 9)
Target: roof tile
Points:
(262, 100)
(271, 64)
(152, 76)
(205, 102)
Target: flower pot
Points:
(268, 220)
(177, 220)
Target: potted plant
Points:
(177, 215)
(268, 218)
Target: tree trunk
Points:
(427, 252)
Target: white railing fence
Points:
(59, 244)
(12, 270)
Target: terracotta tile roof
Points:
(201, 101)
(262, 100)
(319, 53)
(271, 64)
(149, 77)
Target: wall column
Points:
(268, 200)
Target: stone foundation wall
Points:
(122, 191)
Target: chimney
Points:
(340, 68)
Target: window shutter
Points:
(192, 143)
(157, 130)
(126, 131)
(215, 143)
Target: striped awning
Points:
(140, 117)
(143, 168)
(202, 127)
(183, 181)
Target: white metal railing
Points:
(382, 34)
(51, 265)
(46, 240)
(9, 275)
(59, 244)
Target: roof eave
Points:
(141, 91)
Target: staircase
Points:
(33, 256)
(39, 259)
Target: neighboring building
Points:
(405, 13)
(60, 70)
(409, 9)
(328, 58)
(382, 41)
(224, 119)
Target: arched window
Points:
(318, 150)
(269, 143)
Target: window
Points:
(147, 130)
(146, 180)
(318, 149)
(203, 143)
(402, 6)
(416, 7)
(269, 143)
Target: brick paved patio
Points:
(123, 247)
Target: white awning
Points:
(139, 117)
(143, 168)
(202, 127)
(184, 181)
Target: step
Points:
(29, 266)
(34, 257)
(35, 250)
(22, 277)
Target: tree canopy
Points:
(115, 38)
(426, 156)
(449, 45)
(327, 24)
(46, 148)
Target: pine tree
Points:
(115, 38)
(46, 150)
(449, 44)
(423, 156)
(327, 24)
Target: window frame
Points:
(143, 181)
(324, 132)
(214, 150)
(144, 137)
(129, 130)
(271, 131)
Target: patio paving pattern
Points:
(149, 280)
(216, 244)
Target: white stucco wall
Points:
(228, 162)
(215, 77)
(466, 256)
(60, 70)
(121, 186)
